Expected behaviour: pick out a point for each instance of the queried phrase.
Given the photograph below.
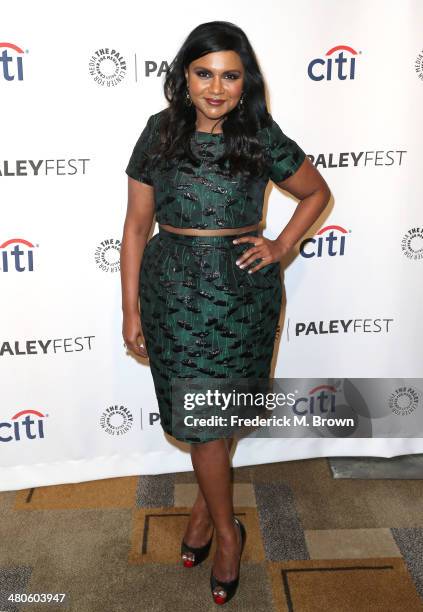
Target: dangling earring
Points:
(241, 100)
(188, 101)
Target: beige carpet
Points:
(314, 543)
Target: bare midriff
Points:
(189, 231)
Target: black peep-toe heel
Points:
(231, 586)
(195, 556)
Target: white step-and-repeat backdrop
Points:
(77, 83)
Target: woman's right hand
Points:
(132, 334)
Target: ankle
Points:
(201, 511)
(202, 516)
(226, 534)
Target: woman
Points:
(208, 281)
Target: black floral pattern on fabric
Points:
(139, 167)
(202, 316)
(204, 197)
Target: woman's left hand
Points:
(269, 251)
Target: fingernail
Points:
(242, 266)
(235, 241)
(249, 271)
(237, 262)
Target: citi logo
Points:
(338, 63)
(24, 425)
(321, 399)
(330, 241)
(12, 61)
(15, 258)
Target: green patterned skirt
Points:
(203, 316)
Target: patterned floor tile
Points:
(410, 543)
(243, 494)
(82, 553)
(326, 503)
(12, 580)
(153, 491)
(155, 588)
(107, 493)
(282, 532)
(7, 501)
(114, 544)
(351, 543)
(157, 534)
(240, 474)
(365, 585)
(185, 478)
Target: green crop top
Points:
(203, 197)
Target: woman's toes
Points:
(219, 593)
(188, 559)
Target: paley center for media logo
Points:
(404, 400)
(107, 255)
(116, 420)
(108, 67)
(418, 65)
(412, 243)
(337, 63)
(17, 255)
(11, 59)
(24, 425)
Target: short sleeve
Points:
(286, 155)
(139, 167)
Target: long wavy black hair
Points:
(242, 146)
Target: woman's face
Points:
(220, 76)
